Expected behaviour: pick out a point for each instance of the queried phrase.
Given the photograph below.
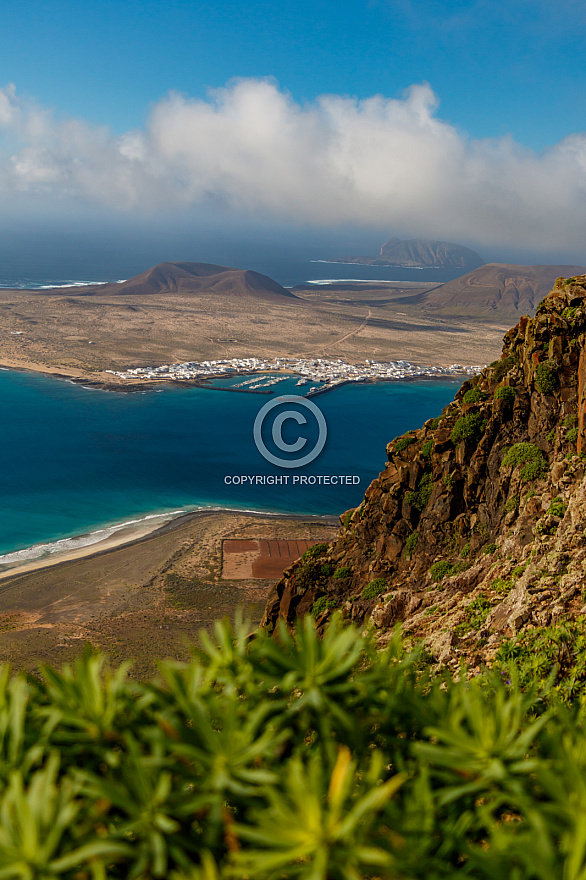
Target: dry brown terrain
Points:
(80, 334)
(146, 600)
(496, 289)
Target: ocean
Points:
(287, 271)
(79, 462)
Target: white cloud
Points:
(380, 162)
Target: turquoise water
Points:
(74, 460)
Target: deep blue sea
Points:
(287, 271)
(79, 462)
(76, 460)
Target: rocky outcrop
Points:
(476, 528)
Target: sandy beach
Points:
(125, 534)
(142, 594)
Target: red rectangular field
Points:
(260, 558)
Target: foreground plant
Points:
(294, 756)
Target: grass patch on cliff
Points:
(502, 585)
(426, 449)
(475, 616)
(402, 443)
(529, 457)
(315, 551)
(440, 569)
(374, 589)
(502, 367)
(546, 376)
(511, 504)
(474, 395)
(322, 604)
(419, 498)
(557, 508)
(411, 544)
(506, 393)
(311, 574)
(468, 427)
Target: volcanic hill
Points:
(191, 279)
(501, 290)
(474, 535)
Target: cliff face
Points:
(476, 529)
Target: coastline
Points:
(130, 533)
(117, 384)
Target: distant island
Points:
(419, 253)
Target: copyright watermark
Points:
(287, 419)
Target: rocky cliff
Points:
(476, 528)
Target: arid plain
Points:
(85, 331)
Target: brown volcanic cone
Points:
(194, 278)
(500, 290)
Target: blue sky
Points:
(115, 111)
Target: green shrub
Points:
(533, 470)
(506, 393)
(435, 422)
(476, 613)
(511, 504)
(374, 589)
(551, 436)
(546, 376)
(474, 395)
(448, 481)
(321, 604)
(288, 755)
(502, 367)
(465, 550)
(441, 569)
(426, 449)
(518, 570)
(411, 544)
(570, 421)
(530, 456)
(538, 655)
(557, 508)
(569, 313)
(502, 585)
(343, 572)
(307, 575)
(489, 548)
(420, 497)
(403, 442)
(468, 427)
(347, 517)
(315, 551)
(572, 435)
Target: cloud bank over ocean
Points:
(251, 149)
